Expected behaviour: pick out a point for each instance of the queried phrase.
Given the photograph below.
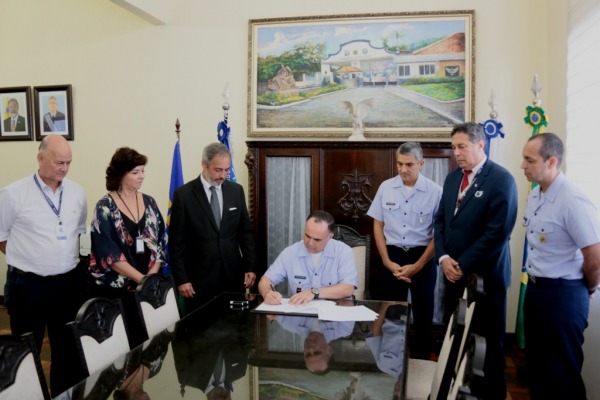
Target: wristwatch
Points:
(315, 291)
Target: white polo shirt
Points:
(29, 225)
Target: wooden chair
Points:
(438, 376)
(21, 374)
(469, 378)
(361, 247)
(99, 333)
(158, 304)
(473, 293)
(430, 379)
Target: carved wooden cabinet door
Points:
(343, 179)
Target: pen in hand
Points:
(276, 295)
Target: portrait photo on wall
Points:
(16, 116)
(54, 111)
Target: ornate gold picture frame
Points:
(390, 75)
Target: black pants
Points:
(422, 288)
(556, 313)
(35, 303)
(488, 321)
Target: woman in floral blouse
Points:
(128, 231)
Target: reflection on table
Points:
(224, 351)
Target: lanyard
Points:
(50, 203)
(137, 208)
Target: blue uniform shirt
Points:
(388, 349)
(407, 217)
(303, 326)
(295, 263)
(559, 223)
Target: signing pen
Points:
(273, 289)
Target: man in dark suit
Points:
(472, 228)
(211, 246)
(54, 120)
(16, 122)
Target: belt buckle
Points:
(532, 279)
(405, 248)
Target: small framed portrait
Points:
(17, 111)
(54, 111)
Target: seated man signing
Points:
(316, 267)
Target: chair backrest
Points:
(469, 379)
(444, 371)
(21, 374)
(361, 247)
(100, 333)
(156, 295)
(473, 293)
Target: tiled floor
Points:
(515, 360)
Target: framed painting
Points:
(409, 75)
(54, 111)
(16, 120)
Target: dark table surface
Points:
(262, 356)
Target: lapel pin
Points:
(479, 193)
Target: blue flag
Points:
(223, 131)
(492, 128)
(176, 181)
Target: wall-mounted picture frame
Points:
(53, 111)
(17, 121)
(409, 75)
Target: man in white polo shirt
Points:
(41, 218)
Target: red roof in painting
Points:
(454, 43)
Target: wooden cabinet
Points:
(342, 178)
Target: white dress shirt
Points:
(29, 225)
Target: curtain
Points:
(582, 143)
(288, 203)
(436, 169)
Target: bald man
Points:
(41, 218)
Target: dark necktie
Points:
(214, 205)
(465, 180)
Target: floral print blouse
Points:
(111, 241)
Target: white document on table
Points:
(311, 308)
(340, 313)
(325, 310)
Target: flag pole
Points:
(492, 127)
(175, 183)
(223, 130)
(536, 118)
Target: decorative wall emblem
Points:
(355, 201)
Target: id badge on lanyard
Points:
(61, 233)
(139, 245)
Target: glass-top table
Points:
(225, 349)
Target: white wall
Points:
(132, 79)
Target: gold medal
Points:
(542, 238)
